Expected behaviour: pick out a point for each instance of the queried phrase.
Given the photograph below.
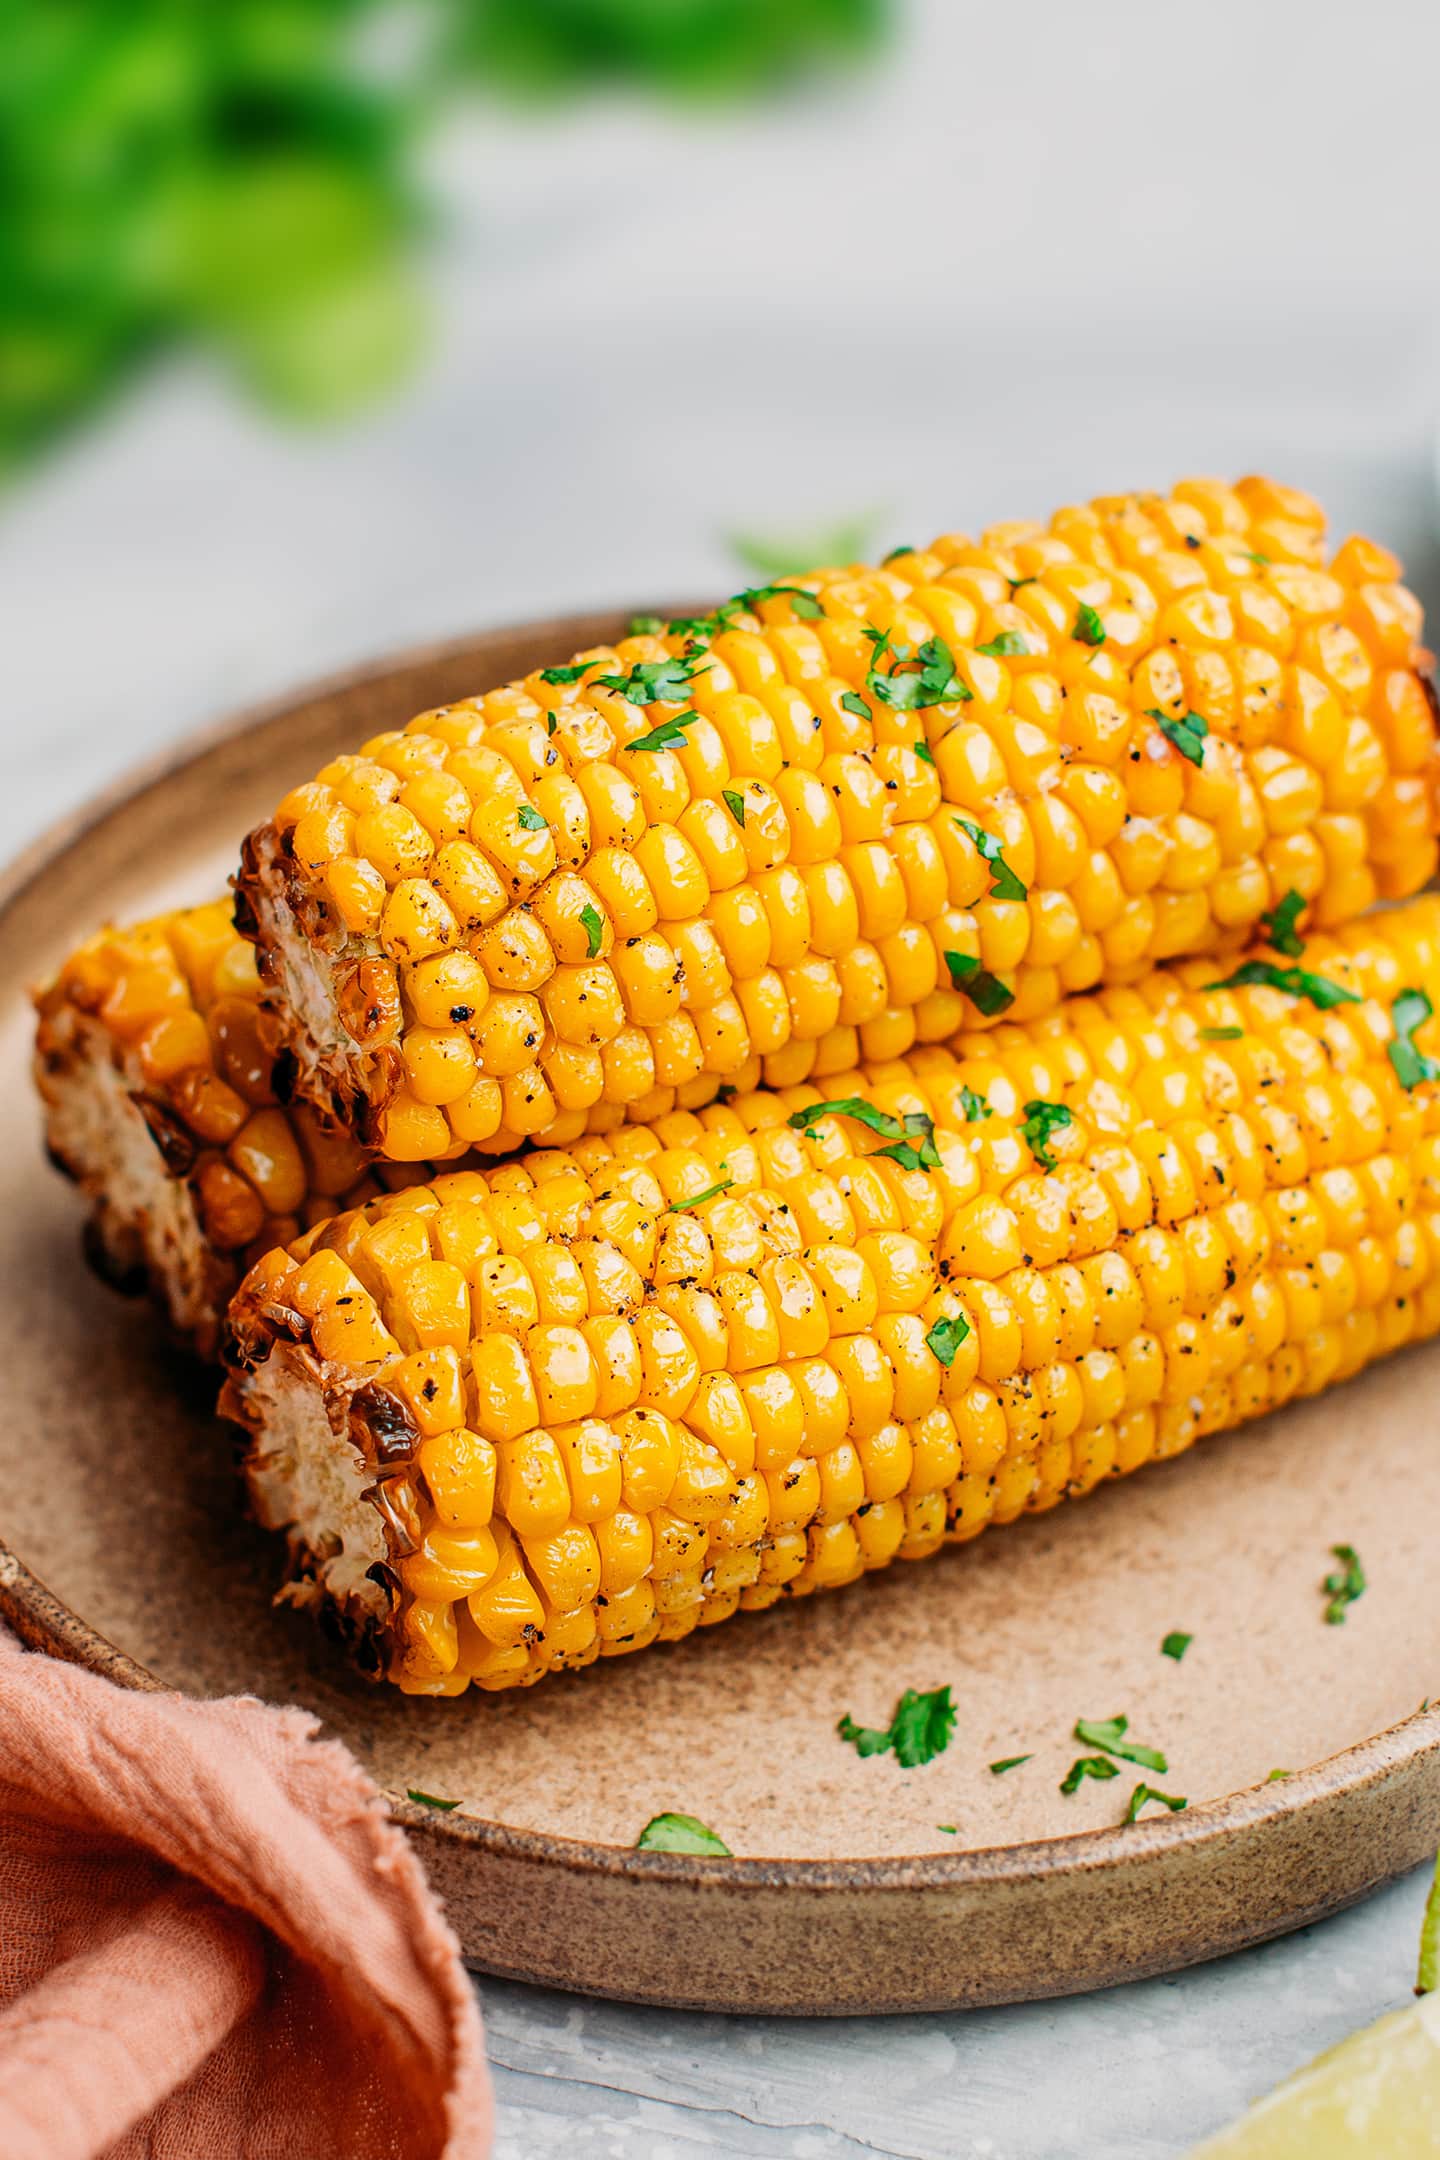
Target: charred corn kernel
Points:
(777, 854)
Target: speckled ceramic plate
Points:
(126, 1551)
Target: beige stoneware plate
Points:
(126, 1551)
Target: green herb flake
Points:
(1409, 1011)
(654, 682)
(1015, 583)
(923, 750)
(932, 681)
(973, 1106)
(1218, 1034)
(1009, 1762)
(920, 1730)
(1188, 734)
(1041, 1120)
(1297, 982)
(1008, 645)
(948, 1828)
(711, 1192)
(853, 703)
(786, 554)
(430, 1799)
(984, 990)
(678, 1833)
(1278, 924)
(1004, 884)
(1345, 1585)
(903, 1133)
(734, 803)
(1109, 1735)
(1088, 627)
(1144, 1794)
(566, 674)
(528, 818)
(894, 556)
(1087, 1766)
(917, 1151)
(647, 626)
(1427, 1974)
(946, 1337)
(594, 929)
(1272, 1776)
(1175, 1645)
(551, 723)
(669, 735)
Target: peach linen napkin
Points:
(214, 1943)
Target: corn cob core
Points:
(765, 847)
(610, 1393)
(160, 1102)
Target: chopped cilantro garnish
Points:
(1008, 1762)
(946, 1337)
(528, 818)
(919, 1731)
(1345, 1585)
(1088, 627)
(1041, 1120)
(551, 723)
(594, 929)
(430, 1799)
(669, 735)
(923, 750)
(647, 626)
(1144, 1794)
(984, 990)
(566, 674)
(853, 703)
(1225, 1034)
(1255, 555)
(1409, 1010)
(654, 682)
(734, 803)
(1272, 1775)
(903, 1132)
(1096, 1766)
(1004, 884)
(948, 1828)
(1279, 922)
(1007, 645)
(932, 681)
(1015, 583)
(1188, 733)
(711, 1192)
(1175, 1645)
(785, 554)
(678, 1833)
(1299, 982)
(904, 549)
(803, 603)
(1109, 1735)
(974, 1106)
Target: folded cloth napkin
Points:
(214, 1944)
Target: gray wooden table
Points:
(1024, 262)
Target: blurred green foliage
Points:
(240, 173)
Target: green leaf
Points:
(1087, 1766)
(1344, 1586)
(1219, 1034)
(1015, 583)
(734, 803)
(783, 554)
(644, 626)
(1427, 1974)
(1144, 1794)
(528, 818)
(1279, 923)
(551, 723)
(1175, 1645)
(1008, 645)
(852, 701)
(946, 1337)
(566, 674)
(1271, 1776)
(984, 990)
(654, 682)
(904, 1132)
(1041, 1120)
(919, 1731)
(669, 735)
(430, 1799)
(1109, 1734)
(711, 1192)
(933, 681)
(918, 1151)
(893, 556)
(594, 929)
(923, 750)
(1297, 982)
(1088, 627)
(1409, 1011)
(1009, 1762)
(678, 1833)
(1188, 733)
(1004, 884)
(948, 1828)
(974, 1106)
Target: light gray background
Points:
(1041, 252)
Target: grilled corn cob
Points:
(516, 1420)
(844, 816)
(160, 1103)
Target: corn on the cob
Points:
(160, 1103)
(776, 843)
(516, 1420)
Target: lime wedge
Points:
(1374, 2097)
